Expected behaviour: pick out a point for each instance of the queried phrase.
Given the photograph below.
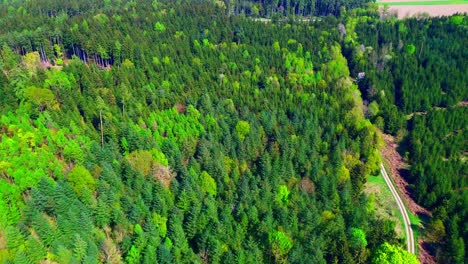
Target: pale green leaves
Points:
(242, 129)
(391, 254)
(207, 183)
(282, 196)
(160, 27)
(280, 244)
(80, 179)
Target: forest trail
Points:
(396, 166)
(460, 104)
(404, 213)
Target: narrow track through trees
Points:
(404, 213)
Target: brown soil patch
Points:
(396, 165)
(393, 1)
(2, 240)
(424, 256)
(433, 10)
(307, 185)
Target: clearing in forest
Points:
(383, 202)
(395, 166)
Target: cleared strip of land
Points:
(401, 206)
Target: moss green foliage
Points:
(420, 94)
(436, 145)
(81, 180)
(174, 126)
(30, 150)
(41, 98)
(401, 74)
(178, 132)
(141, 161)
(410, 49)
(159, 27)
(277, 9)
(207, 183)
(280, 245)
(242, 129)
(282, 195)
(457, 20)
(391, 254)
(358, 238)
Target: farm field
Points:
(433, 8)
(423, 2)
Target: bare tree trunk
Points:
(102, 130)
(420, 51)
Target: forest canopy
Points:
(189, 131)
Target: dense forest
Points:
(417, 69)
(409, 65)
(437, 152)
(188, 131)
(270, 8)
(130, 134)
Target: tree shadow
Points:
(430, 247)
(404, 145)
(406, 175)
(424, 218)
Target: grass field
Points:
(384, 203)
(417, 226)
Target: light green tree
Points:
(207, 183)
(159, 27)
(280, 245)
(242, 129)
(410, 49)
(358, 238)
(57, 80)
(8, 59)
(282, 195)
(42, 98)
(31, 61)
(391, 254)
(80, 179)
(373, 109)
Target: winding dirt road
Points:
(404, 213)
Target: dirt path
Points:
(404, 213)
(460, 104)
(396, 166)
